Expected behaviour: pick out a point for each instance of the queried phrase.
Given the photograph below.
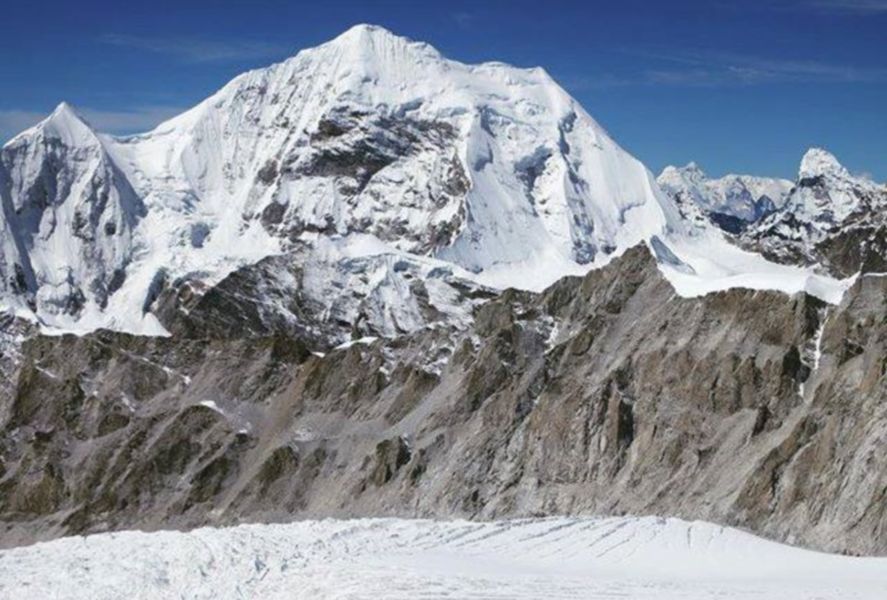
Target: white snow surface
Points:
(366, 340)
(549, 192)
(570, 558)
(819, 162)
(728, 266)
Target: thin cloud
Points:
(760, 71)
(599, 81)
(13, 122)
(751, 70)
(464, 19)
(196, 50)
(132, 120)
(716, 69)
(143, 118)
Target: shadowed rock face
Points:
(604, 394)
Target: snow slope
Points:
(620, 557)
(492, 169)
(69, 220)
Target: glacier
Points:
(569, 558)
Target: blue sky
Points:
(738, 86)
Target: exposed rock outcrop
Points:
(604, 394)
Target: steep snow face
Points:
(484, 166)
(642, 558)
(821, 163)
(67, 218)
(491, 169)
(731, 202)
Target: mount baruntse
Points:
(369, 149)
(321, 251)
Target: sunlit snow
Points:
(570, 558)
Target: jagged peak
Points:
(64, 124)
(691, 172)
(693, 166)
(818, 162)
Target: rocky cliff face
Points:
(604, 394)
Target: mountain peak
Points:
(818, 162)
(366, 30)
(65, 113)
(66, 124)
(691, 173)
(63, 123)
(368, 43)
(64, 108)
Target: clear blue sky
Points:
(738, 86)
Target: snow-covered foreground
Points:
(391, 558)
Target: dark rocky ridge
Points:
(604, 394)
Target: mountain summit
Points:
(831, 218)
(820, 163)
(370, 146)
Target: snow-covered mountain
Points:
(831, 218)
(68, 218)
(490, 168)
(371, 143)
(827, 219)
(732, 202)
